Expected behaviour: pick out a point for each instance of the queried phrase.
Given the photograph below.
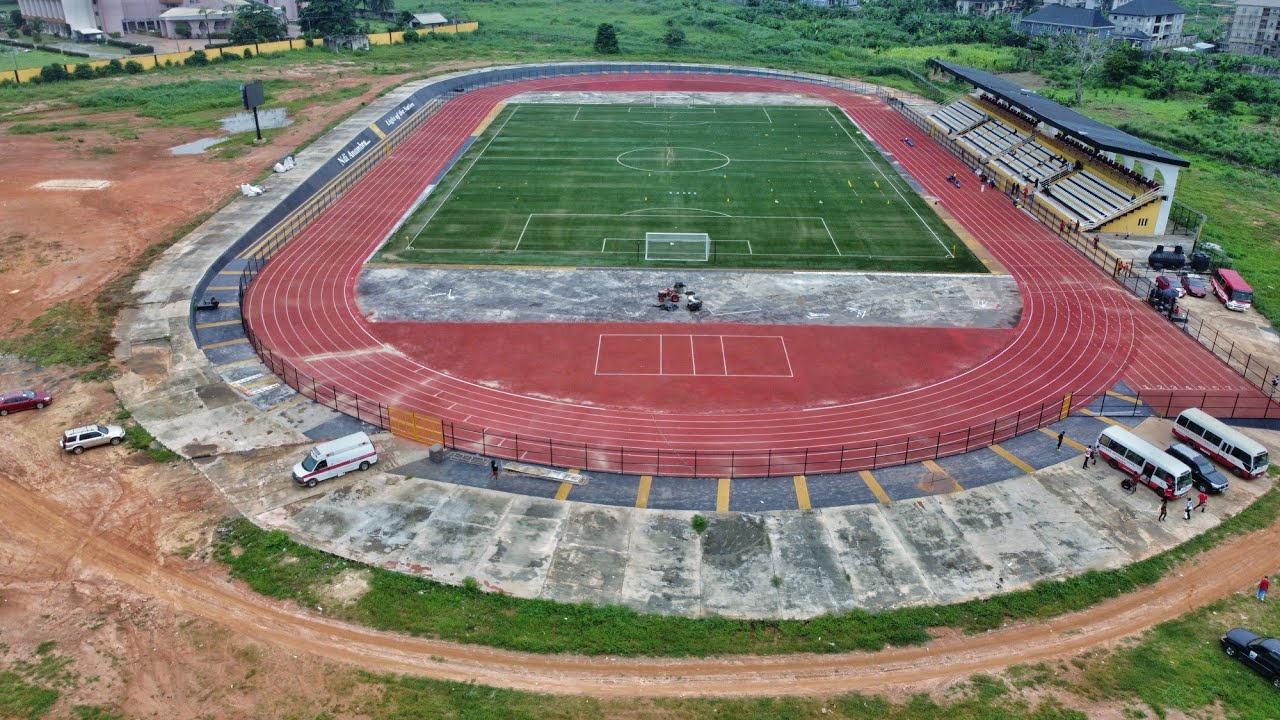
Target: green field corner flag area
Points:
(677, 186)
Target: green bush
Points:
(230, 55)
(197, 59)
(53, 73)
(248, 53)
(133, 67)
(83, 72)
(114, 67)
(141, 50)
(410, 36)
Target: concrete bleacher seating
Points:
(958, 116)
(1087, 197)
(1031, 163)
(991, 138)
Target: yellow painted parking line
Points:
(935, 468)
(220, 323)
(722, 495)
(1103, 418)
(1126, 398)
(237, 273)
(802, 492)
(264, 382)
(642, 493)
(237, 363)
(563, 493)
(1017, 461)
(223, 287)
(225, 343)
(876, 490)
(1066, 441)
(295, 400)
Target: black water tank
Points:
(1200, 262)
(1162, 259)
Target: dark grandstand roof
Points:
(1064, 16)
(1073, 124)
(1149, 8)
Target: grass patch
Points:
(22, 699)
(274, 565)
(53, 127)
(139, 439)
(69, 333)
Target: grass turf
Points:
(773, 187)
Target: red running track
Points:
(1078, 332)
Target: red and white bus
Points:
(1246, 457)
(1232, 290)
(1144, 462)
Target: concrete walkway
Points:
(945, 531)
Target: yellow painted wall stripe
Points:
(722, 495)
(295, 400)
(220, 323)
(642, 493)
(1065, 441)
(264, 382)
(1127, 398)
(876, 490)
(802, 492)
(223, 287)
(1017, 461)
(238, 363)
(934, 467)
(1103, 418)
(378, 131)
(225, 343)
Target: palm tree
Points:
(378, 6)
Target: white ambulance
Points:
(334, 458)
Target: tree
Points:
(1084, 52)
(674, 37)
(1121, 65)
(379, 6)
(607, 40)
(256, 22)
(182, 28)
(1222, 102)
(321, 18)
(35, 26)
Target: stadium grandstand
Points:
(1088, 173)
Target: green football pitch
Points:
(677, 186)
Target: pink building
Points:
(89, 19)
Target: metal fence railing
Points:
(687, 461)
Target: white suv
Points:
(77, 439)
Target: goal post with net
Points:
(677, 247)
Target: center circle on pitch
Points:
(673, 159)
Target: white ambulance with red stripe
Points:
(335, 458)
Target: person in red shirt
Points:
(1204, 500)
(1263, 587)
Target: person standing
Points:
(1204, 500)
(1061, 435)
(1164, 509)
(1088, 453)
(493, 469)
(1263, 587)
(1186, 511)
(1095, 453)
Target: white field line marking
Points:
(724, 359)
(766, 114)
(462, 177)
(693, 356)
(787, 355)
(749, 250)
(659, 354)
(522, 232)
(833, 237)
(882, 174)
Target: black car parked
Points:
(1203, 473)
(1261, 654)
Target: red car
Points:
(1164, 282)
(23, 400)
(1195, 285)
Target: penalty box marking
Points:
(687, 355)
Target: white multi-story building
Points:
(1255, 29)
(1159, 22)
(90, 19)
(986, 7)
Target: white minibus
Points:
(334, 458)
(1245, 456)
(1143, 461)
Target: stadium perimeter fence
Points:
(306, 203)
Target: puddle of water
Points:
(197, 147)
(243, 121)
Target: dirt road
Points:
(115, 530)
